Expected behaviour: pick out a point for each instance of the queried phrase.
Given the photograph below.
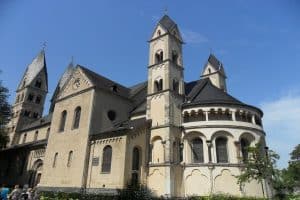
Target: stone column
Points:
(209, 145)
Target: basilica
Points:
(178, 138)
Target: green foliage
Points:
(286, 180)
(295, 155)
(135, 192)
(5, 112)
(259, 166)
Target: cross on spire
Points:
(44, 45)
(166, 10)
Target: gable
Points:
(76, 83)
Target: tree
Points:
(295, 155)
(286, 180)
(259, 166)
(5, 113)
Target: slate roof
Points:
(215, 63)
(62, 81)
(203, 92)
(121, 127)
(167, 23)
(38, 123)
(37, 65)
(105, 83)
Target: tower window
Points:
(63, 121)
(158, 32)
(158, 85)
(209, 70)
(38, 99)
(77, 114)
(24, 138)
(18, 98)
(106, 162)
(176, 86)
(36, 134)
(26, 113)
(30, 97)
(159, 57)
(175, 56)
(35, 115)
(48, 133)
(38, 83)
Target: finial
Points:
(72, 61)
(210, 50)
(166, 10)
(44, 45)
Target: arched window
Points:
(159, 57)
(197, 150)
(175, 56)
(70, 157)
(22, 97)
(135, 159)
(176, 85)
(18, 98)
(38, 83)
(30, 97)
(55, 160)
(158, 85)
(35, 115)
(36, 134)
(26, 113)
(135, 166)
(62, 121)
(244, 148)
(106, 161)
(221, 150)
(24, 138)
(38, 99)
(48, 133)
(76, 120)
(158, 32)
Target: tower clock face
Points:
(76, 83)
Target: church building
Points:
(178, 138)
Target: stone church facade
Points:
(178, 138)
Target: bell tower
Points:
(165, 95)
(30, 96)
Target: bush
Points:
(139, 192)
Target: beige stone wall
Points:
(31, 134)
(115, 178)
(75, 140)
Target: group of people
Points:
(18, 193)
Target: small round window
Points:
(111, 115)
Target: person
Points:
(15, 194)
(24, 195)
(4, 192)
(29, 193)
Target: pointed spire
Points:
(37, 65)
(167, 23)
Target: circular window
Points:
(111, 115)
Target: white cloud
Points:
(282, 125)
(193, 37)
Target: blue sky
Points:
(258, 42)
